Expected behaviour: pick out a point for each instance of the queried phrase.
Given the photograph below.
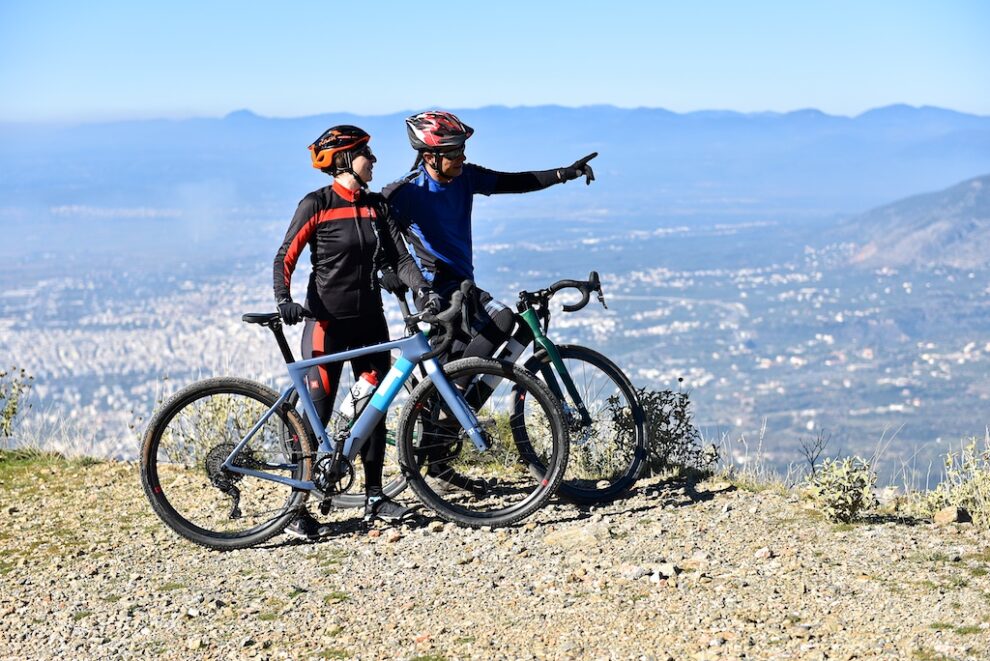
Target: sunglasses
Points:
(453, 154)
(363, 151)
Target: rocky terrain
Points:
(679, 570)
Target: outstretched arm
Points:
(525, 182)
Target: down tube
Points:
(380, 401)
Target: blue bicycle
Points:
(227, 463)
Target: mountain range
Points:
(652, 163)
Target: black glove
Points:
(374, 201)
(392, 283)
(580, 168)
(291, 312)
(428, 300)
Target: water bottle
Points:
(359, 395)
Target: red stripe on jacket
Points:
(302, 237)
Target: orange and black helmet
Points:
(333, 141)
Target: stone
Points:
(632, 572)
(573, 538)
(952, 515)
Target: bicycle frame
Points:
(532, 333)
(412, 349)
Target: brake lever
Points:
(596, 286)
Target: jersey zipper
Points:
(357, 226)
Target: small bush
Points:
(966, 483)
(674, 441)
(843, 489)
(14, 386)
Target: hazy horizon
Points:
(409, 111)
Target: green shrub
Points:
(966, 483)
(14, 386)
(674, 441)
(843, 489)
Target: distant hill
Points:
(947, 228)
(654, 164)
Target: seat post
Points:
(283, 346)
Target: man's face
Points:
(450, 164)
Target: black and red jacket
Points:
(346, 250)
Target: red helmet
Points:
(436, 130)
(336, 139)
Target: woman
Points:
(340, 225)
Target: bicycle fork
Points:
(458, 406)
(553, 354)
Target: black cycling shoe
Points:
(381, 507)
(306, 527)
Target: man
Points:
(431, 206)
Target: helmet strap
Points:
(349, 169)
(438, 168)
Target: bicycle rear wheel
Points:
(183, 453)
(484, 488)
(609, 446)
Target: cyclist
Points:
(431, 207)
(349, 244)
(432, 204)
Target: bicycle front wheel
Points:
(494, 487)
(609, 443)
(189, 440)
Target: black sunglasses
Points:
(453, 153)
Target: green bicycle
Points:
(607, 425)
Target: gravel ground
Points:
(676, 571)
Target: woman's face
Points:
(363, 163)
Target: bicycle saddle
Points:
(263, 318)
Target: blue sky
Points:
(106, 60)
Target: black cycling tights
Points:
(492, 335)
(323, 337)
